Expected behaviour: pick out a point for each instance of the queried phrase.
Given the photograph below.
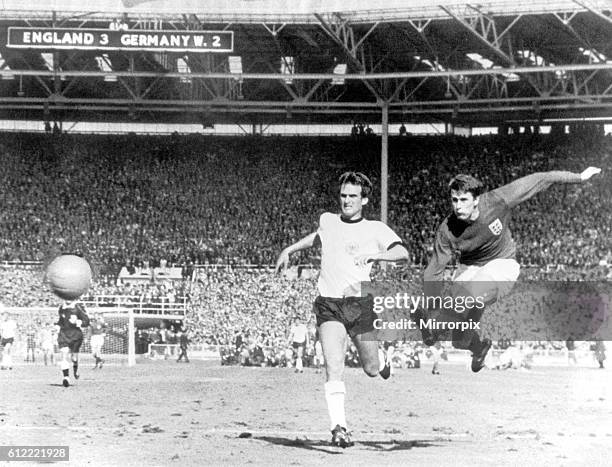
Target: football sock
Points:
(64, 366)
(334, 395)
(299, 365)
(75, 368)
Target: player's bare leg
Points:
(373, 359)
(333, 340)
(7, 358)
(74, 357)
(49, 356)
(299, 360)
(488, 289)
(96, 351)
(319, 361)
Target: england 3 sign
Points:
(108, 39)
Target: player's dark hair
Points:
(467, 183)
(358, 179)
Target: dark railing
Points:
(139, 304)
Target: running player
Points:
(477, 230)
(298, 339)
(436, 355)
(319, 360)
(8, 329)
(350, 244)
(183, 340)
(72, 317)
(97, 328)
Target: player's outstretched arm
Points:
(283, 259)
(526, 187)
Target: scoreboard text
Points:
(109, 39)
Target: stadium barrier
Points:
(138, 304)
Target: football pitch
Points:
(163, 413)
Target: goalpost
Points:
(120, 337)
(37, 335)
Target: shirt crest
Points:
(496, 227)
(351, 248)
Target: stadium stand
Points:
(133, 200)
(138, 202)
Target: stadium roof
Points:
(484, 63)
(294, 12)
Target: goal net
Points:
(36, 336)
(163, 351)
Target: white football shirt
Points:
(342, 241)
(8, 329)
(298, 332)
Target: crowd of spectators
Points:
(212, 200)
(135, 200)
(256, 304)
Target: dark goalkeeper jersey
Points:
(68, 316)
(488, 237)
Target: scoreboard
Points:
(109, 39)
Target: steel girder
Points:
(426, 75)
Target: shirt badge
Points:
(351, 248)
(496, 227)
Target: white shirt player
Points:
(298, 333)
(8, 329)
(46, 339)
(342, 241)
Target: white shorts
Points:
(97, 340)
(490, 281)
(497, 270)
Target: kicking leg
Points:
(486, 290)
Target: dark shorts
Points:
(355, 313)
(8, 340)
(297, 345)
(71, 339)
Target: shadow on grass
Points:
(324, 446)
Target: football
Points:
(68, 276)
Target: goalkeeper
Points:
(72, 317)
